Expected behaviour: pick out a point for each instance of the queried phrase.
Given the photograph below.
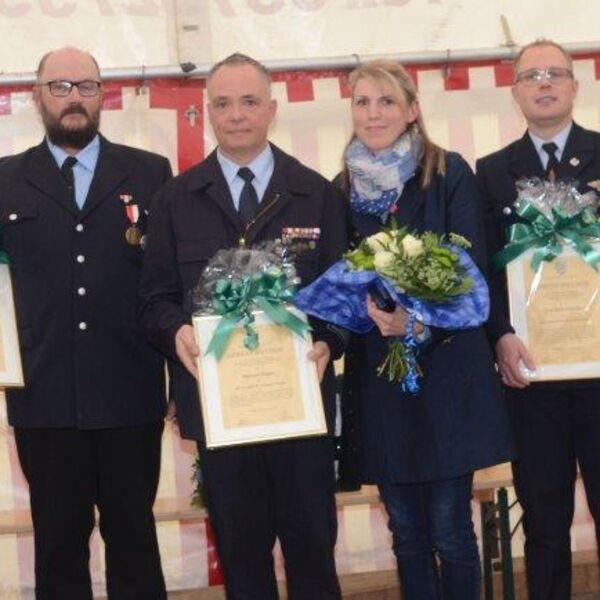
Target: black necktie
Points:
(248, 197)
(552, 167)
(67, 173)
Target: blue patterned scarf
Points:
(377, 180)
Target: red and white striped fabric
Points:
(467, 108)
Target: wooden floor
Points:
(383, 585)
(361, 586)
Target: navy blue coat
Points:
(86, 362)
(193, 217)
(457, 423)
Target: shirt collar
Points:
(261, 166)
(87, 157)
(560, 139)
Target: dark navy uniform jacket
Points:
(86, 362)
(458, 422)
(497, 175)
(193, 217)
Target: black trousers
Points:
(70, 471)
(556, 429)
(283, 490)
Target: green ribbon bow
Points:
(547, 236)
(235, 300)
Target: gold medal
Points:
(133, 235)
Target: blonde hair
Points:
(433, 159)
(541, 43)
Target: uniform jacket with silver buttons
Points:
(75, 277)
(497, 175)
(194, 216)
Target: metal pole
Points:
(442, 57)
(487, 534)
(508, 581)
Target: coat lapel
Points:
(44, 175)
(277, 195)
(210, 178)
(109, 174)
(524, 160)
(579, 152)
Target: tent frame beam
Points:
(190, 70)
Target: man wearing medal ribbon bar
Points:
(88, 422)
(555, 221)
(244, 193)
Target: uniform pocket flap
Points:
(14, 211)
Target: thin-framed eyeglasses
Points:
(555, 75)
(61, 88)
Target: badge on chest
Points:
(133, 233)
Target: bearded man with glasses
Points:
(88, 422)
(557, 423)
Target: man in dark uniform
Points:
(557, 424)
(248, 191)
(89, 420)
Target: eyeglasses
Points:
(555, 75)
(61, 88)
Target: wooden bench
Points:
(172, 509)
(489, 488)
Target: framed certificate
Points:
(556, 312)
(250, 396)
(11, 372)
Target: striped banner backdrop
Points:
(467, 108)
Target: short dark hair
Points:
(540, 43)
(46, 56)
(237, 59)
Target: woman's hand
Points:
(391, 323)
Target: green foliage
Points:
(423, 266)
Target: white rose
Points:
(412, 246)
(395, 246)
(379, 241)
(383, 260)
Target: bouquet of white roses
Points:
(420, 266)
(431, 276)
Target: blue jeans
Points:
(433, 538)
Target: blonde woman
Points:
(421, 450)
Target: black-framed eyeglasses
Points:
(61, 88)
(556, 75)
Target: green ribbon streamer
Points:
(3, 254)
(235, 300)
(547, 236)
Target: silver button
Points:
(79, 227)
(81, 291)
(12, 217)
(507, 210)
(83, 326)
(81, 258)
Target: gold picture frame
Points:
(556, 312)
(254, 396)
